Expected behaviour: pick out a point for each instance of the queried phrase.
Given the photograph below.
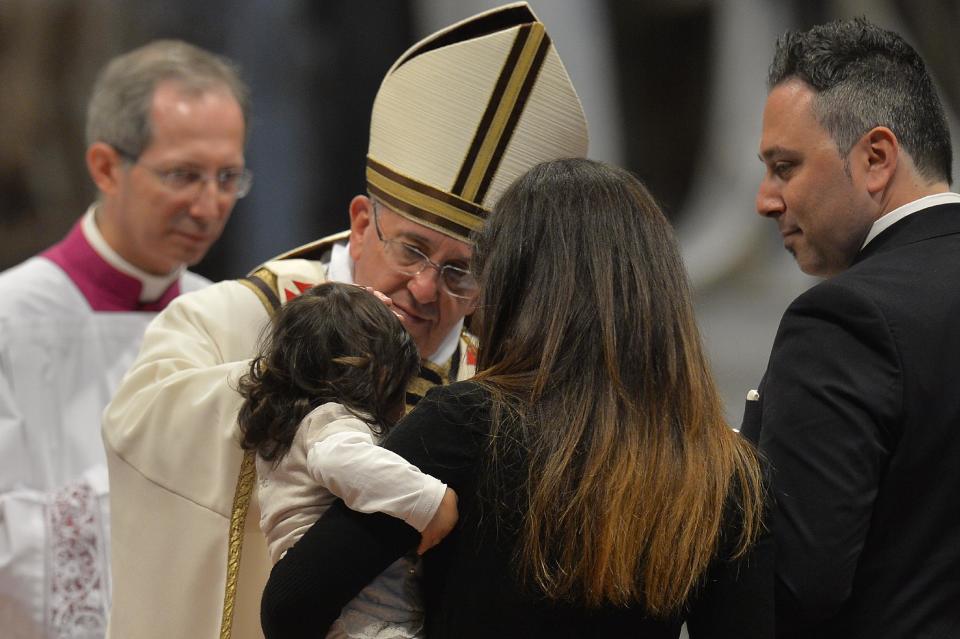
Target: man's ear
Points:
(880, 153)
(471, 307)
(361, 223)
(104, 165)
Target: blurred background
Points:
(673, 90)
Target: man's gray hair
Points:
(119, 109)
(865, 76)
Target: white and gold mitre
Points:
(466, 111)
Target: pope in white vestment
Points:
(180, 398)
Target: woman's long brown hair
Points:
(590, 349)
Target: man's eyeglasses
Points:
(409, 260)
(233, 182)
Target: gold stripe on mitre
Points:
(442, 211)
(507, 100)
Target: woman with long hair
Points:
(601, 491)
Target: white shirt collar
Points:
(340, 269)
(886, 221)
(152, 286)
(447, 346)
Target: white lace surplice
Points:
(55, 560)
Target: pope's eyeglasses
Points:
(406, 259)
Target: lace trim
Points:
(78, 576)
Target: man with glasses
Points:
(166, 126)
(457, 118)
(398, 264)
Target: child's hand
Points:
(442, 523)
(383, 298)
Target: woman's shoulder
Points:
(457, 398)
(460, 404)
(467, 390)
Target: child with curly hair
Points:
(328, 383)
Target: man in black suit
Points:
(859, 410)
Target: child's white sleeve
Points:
(370, 479)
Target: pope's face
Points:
(425, 309)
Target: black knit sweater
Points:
(470, 589)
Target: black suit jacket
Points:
(859, 415)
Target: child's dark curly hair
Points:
(334, 343)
